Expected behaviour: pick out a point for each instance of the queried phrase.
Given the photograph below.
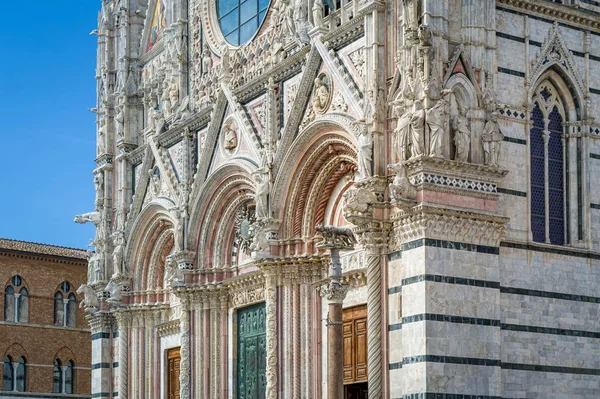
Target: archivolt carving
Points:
(293, 154)
(207, 210)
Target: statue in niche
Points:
(206, 59)
(117, 255)
(410, 13)
(462, 135)
(365, 154)
(120, 117)
(322, 94)
(173, 94)
(99, 186)
(154, 180)
(318, 12)
(158, 121)
(262, 193)
(101, 136)
(402, 132)
(491, 139)
(231, 138)
(436, 121)
(417, 129)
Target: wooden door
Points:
(252, 352)
(173, 360)
(355, 344)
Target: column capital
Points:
(335, 293)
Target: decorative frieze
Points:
(424, 221)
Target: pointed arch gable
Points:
(555, 62)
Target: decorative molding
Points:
(169, 328)
(424, 221)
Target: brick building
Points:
(44, 338)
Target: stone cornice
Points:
(345, 34)
(424, 221)
(568, 15)
(168, 328)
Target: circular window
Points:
(240, 19)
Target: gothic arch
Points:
(463, 89)
(64, 354)
(570, 96)
(151, 229)
(318, 159)
(212, 215)
(15, 351)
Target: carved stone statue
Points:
(436, 120)
(114, 290)
(173, 94)
(462, 136)
(173, 274)
(336, 237)
(90, 300)
(154, 180)
(417, 125)
(230, 137)
(358, 201)
(277, 51)
(120, 119)
(402, 135)
(182, 112)
(206, 59)
(158, 121)
(117, 254)
(491, 139)
(321, 96)
(318, 11)
(102, 136)
(262, 193)
(285, 18)
(99, 187)
(401, 189)
(84, 218)
(365, 154)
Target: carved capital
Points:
(335, 293)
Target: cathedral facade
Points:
(396, 198)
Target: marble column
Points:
(123, 322)
(335, 294)
(271, 308)
(185, 365)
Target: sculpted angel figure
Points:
(462, 135)
(417, 129)
(491, 139)
(436, 120)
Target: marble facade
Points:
(408, 121)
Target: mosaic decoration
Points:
(159, 23)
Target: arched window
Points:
(7, 374)
(21, 383)
(71, 310)
(16, 301)
(23, 305)
(59, 310)
(9, 304)
(547, 167)
(69, 377)
(65, 309)
(57, 380)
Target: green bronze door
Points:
(252, 351)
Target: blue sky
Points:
(47, 68)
